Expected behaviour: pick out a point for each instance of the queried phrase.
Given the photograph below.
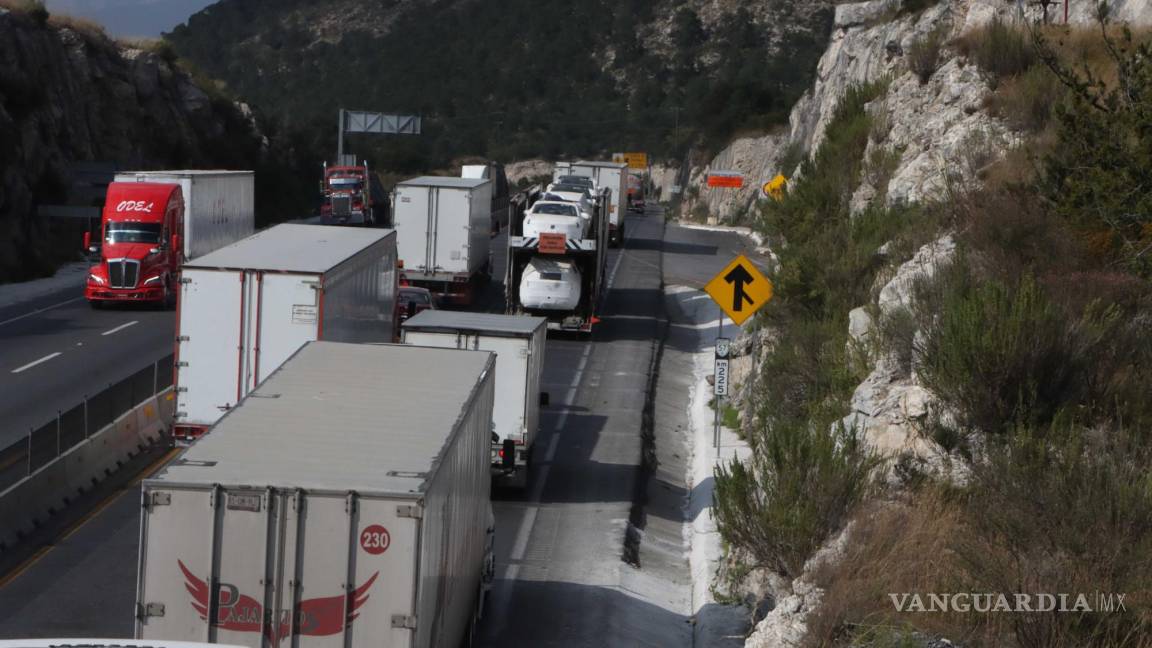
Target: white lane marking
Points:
(524, 532)
(570, 396)
(121, 327)
(36, 362)
(40, 310)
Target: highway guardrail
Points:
(76, 450)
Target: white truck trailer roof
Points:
(393, 426)
(292, 248)
(520, 325)
(445, 181)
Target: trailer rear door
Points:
(208, 369)
(321, 570)
(413, 225)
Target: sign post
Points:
(739, 290)
(720, 381)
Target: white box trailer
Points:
(443, 227)
(219, 206)
(518, 342)
(614, 176)
(244, 309)
(343, 504)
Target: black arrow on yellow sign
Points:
(739, 277)
(739, 289)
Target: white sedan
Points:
(550, 284)
(556, 217)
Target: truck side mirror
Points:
(544, 399)
(88, 241)
(174, 242)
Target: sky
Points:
(130, 18)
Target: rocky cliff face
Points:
(69, 94)
(936, 132)
(937, 129)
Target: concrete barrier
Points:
(26, 504)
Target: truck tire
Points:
(96, 304)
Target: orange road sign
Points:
(726, 180)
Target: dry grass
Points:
(89, 29)
(898, 548)
(940, 542)
(32, 9)
(1084, 48)
(83, 26)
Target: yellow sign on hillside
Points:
(740, 289)
(774, 188)
(637, 161)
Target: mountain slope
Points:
(70, 94)
(519, 78)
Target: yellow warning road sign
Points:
(740, 289)
(774, 188)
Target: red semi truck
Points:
(353, 196)
(155, 220)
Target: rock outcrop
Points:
(889, 404)
(934, 130)
(68, 93)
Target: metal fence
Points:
(44, 444)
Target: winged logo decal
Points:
(315, 617)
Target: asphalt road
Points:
(55, 350)
(561, 580)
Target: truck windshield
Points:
(132, 233)
(352, 184)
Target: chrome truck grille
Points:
(341, 205)
(123, 273)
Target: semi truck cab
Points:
(140, 245)
(349, 196)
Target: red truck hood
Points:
(127, 250)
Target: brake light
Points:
(501, 453)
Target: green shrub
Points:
(797, 490)
(813, 218)
(806, 375)
(895, 333)
(999, 49)
(1102, 158)
(1027, 102)
(1065, 510)
(1000, 355)
(924, 53)
(1004, 355)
